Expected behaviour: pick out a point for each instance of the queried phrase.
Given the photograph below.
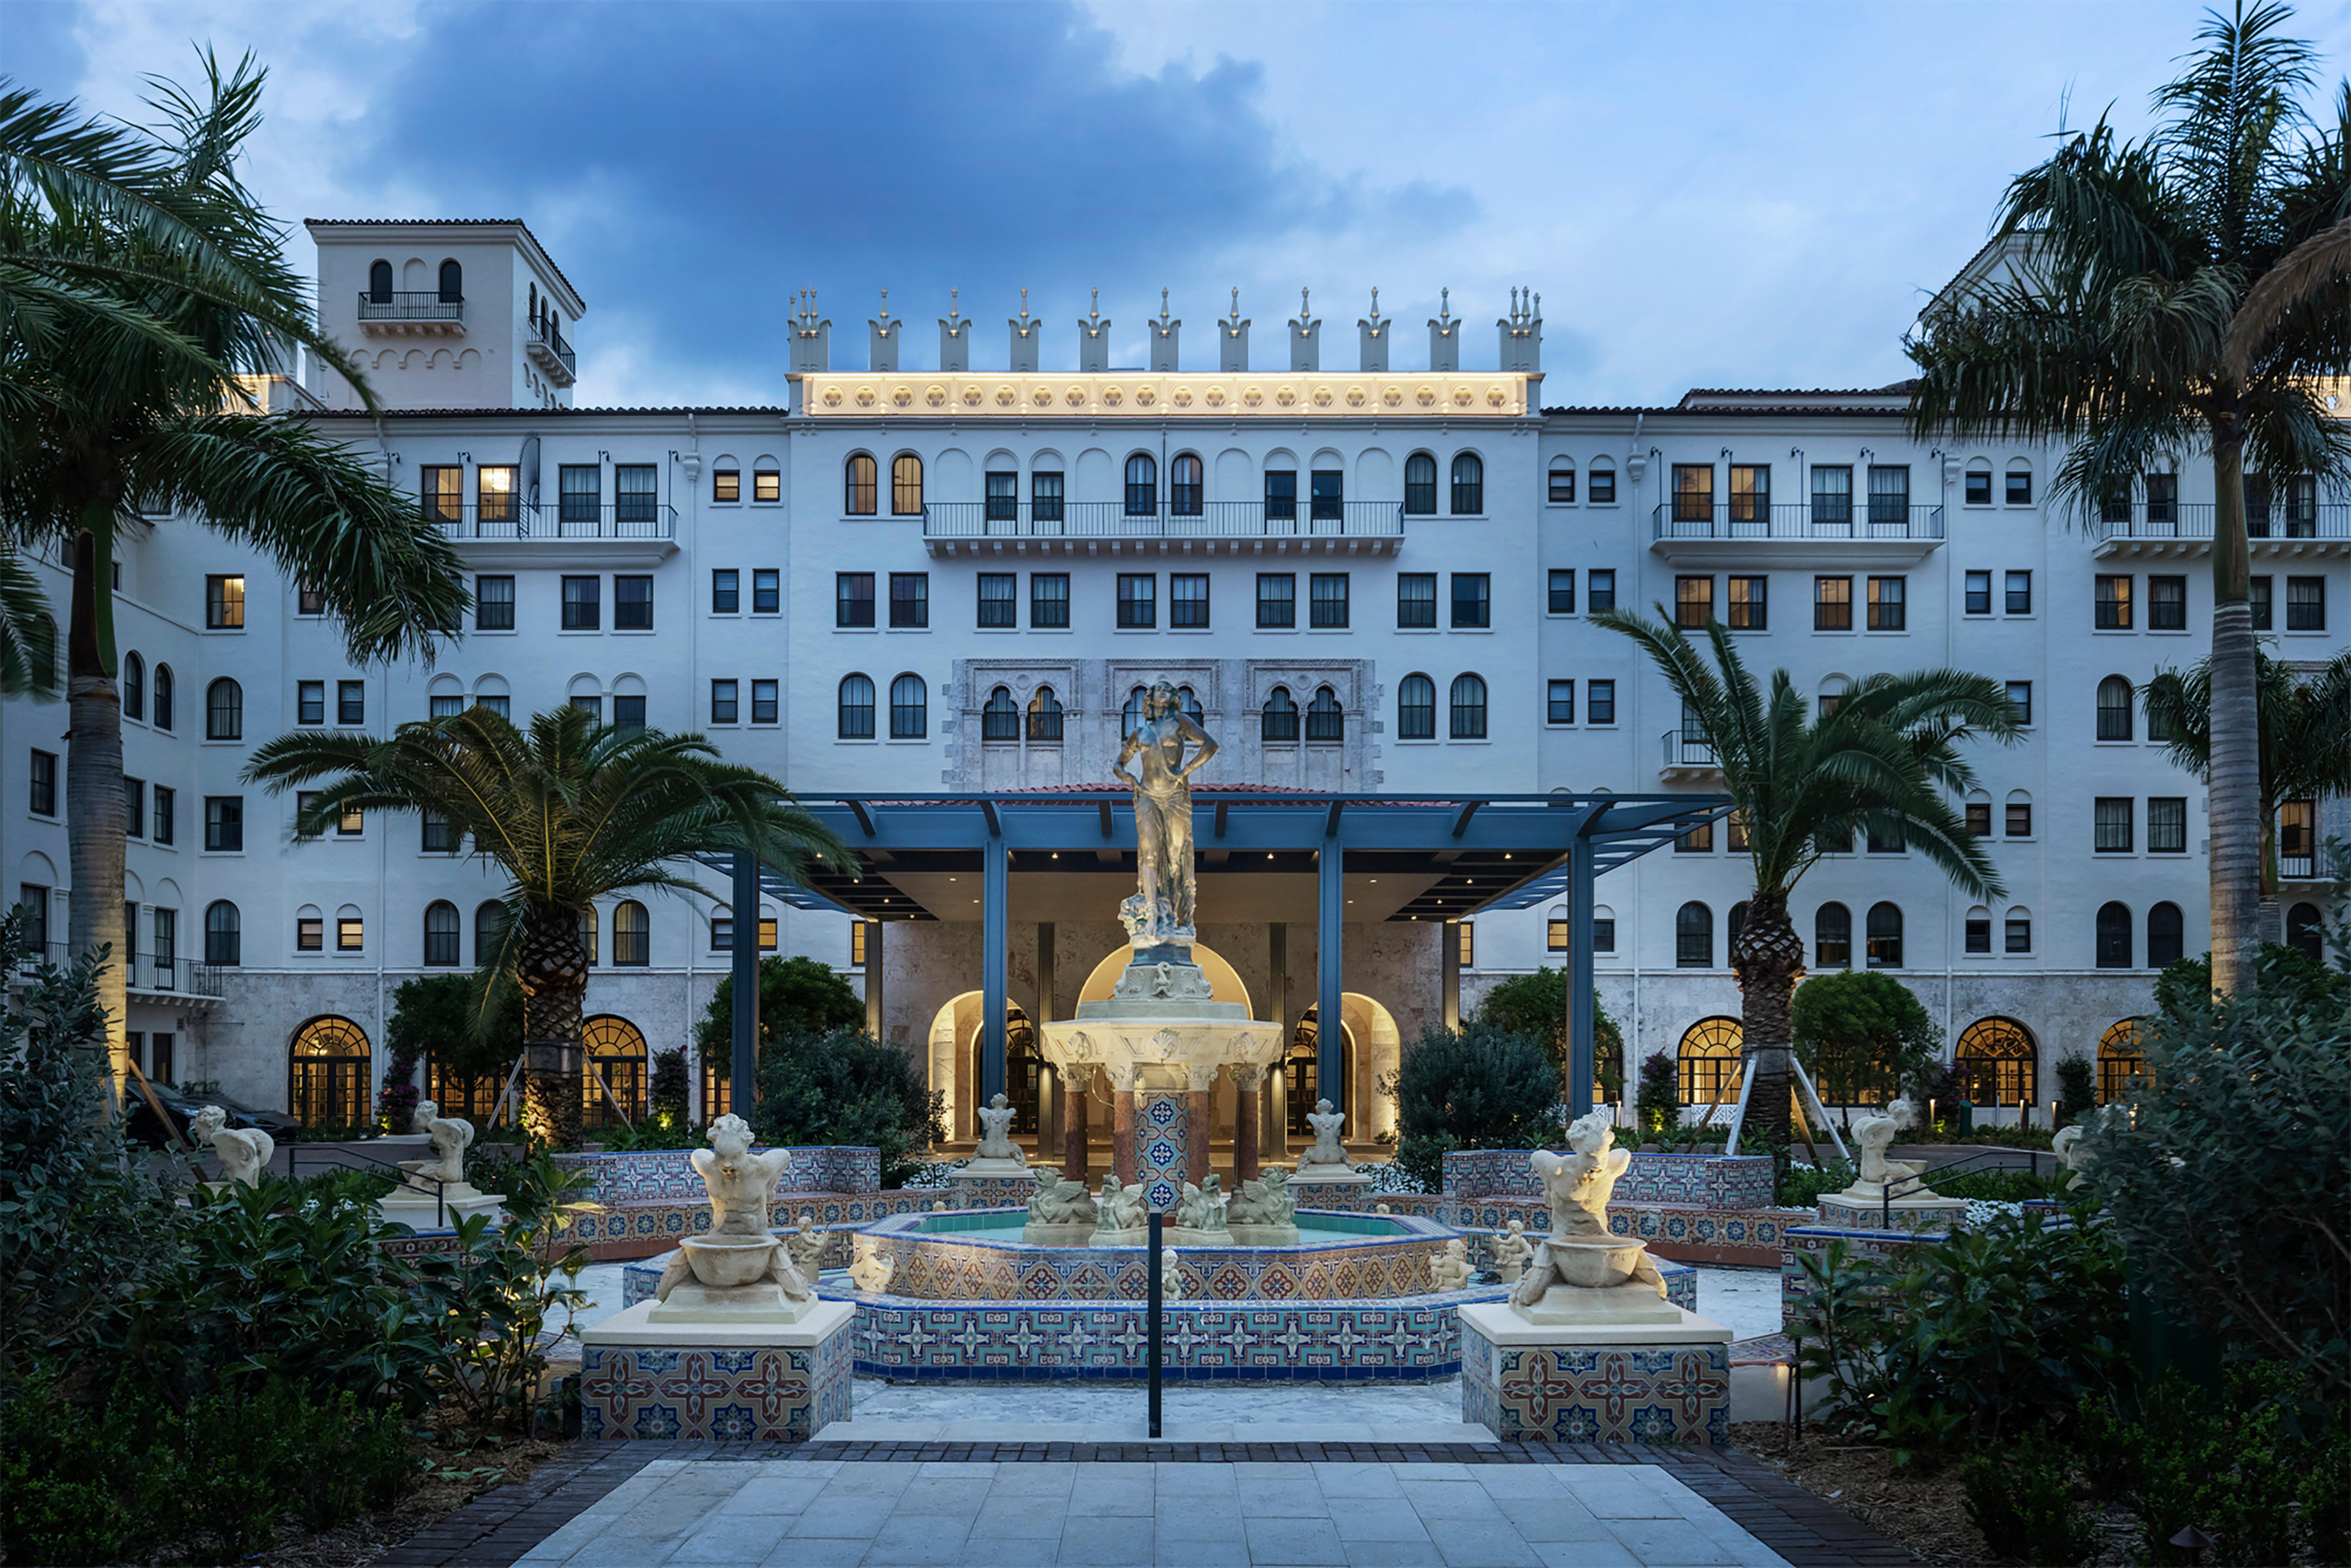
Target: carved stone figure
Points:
(1513, 1252)
(1872, 1135)
(1121, 1208)
(1160, 912)
(452, 1136)
(1202, 1207)
(996, 1134)
(1580, 1252)
(807, 1245)
(1265, 1201)
(740, 1249)
(873, 1270)
(1060, 1201)
(1325, 1150)
(1449, 1270)
(245, 1152)
(1171, 1278)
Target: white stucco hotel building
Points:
(1369, 570)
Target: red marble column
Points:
(1246, 1115)
(1121, 1133)
(1197, 1141)
(1073, 1132)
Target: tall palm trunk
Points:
(1768, 959)
(2234, 785)
(552, 969)
(94, 809)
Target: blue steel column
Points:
(1330, 911)
(1580, 1020)
(993, 886)
(744, 962)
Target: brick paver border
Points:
(497, 1530)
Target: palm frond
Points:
(2314, 277)
(28, 655)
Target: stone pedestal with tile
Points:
(1595, 1382)
(1931, 1213)
(719, 1382)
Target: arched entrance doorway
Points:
(1999, 1061)
(1021, 1063)
(328, 1075)
(1302, 1068)
(1709, 1062)
(616, 1048)
(2120, 1060)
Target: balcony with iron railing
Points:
(1688, 752)
(633, 521)
(1824, 519)
(144, 974)
(1374, 527)
(2186, 527)
(543, 340)
(410, 311)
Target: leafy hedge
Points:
(1482, 1087)
(841, 1086)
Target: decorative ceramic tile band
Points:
(1941, 1217)
(1598, 1394)
(641, 1176)
(770, 1395)
(1700, 1181)
(1163, 1135)
(674, 1219)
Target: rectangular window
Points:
(722, 933)
(2114, 604)
(763, 702)
(1555, 935)
(1188, 600)
(1472, 601)
(910, 599)
(1600, 702)
(1049, 599)
(853, 599)
(1469, 954)
(1604, 934)
(1889, 497)
(2020, 819)
(1045, 492)
(2305, 604)
(583, 492)
(1003, 497)
(494, 604)
(2021, 693)
(1750, 604)
(310, 702)
(309, 600)
(1750, 497)
(632, 604)
(2111, 824)
(225, 824)
(1562, 485)
(583, 608)
(2163, 498)
(134, 807)
(628, 713)
(442, 489)
(1604, 486)
(1888, 611)
(2167, 824)
(1000, 599)
(635, 492)
(2262, 604)
(447, 707)
(351, 934)
(592, 707)
(1979, 593)
(722, 701)
(224, 604)
(1980, 818)
(1281, 495)
(727, 484)
(350, 704)
(440, 837)
(1563, 592)
(1327, 604)
(2018, 932)
(2167, 604)
(34, 900)
(1330, 495)
(1832, 604)
(167, 952)
(1887, 841)
(726, 591)
(1980, 934)
(1415, 600)
(2019, 487)
(766, 485)
(1692, 601)
(351, 823)
(1693, 493)
(1563, 702)
(2297, 822)
(1276, 600)
(495, 494)
(309, 934)
(857, 943)
(1832, 497)
(1138, 600)
(166, 814)
(1698, 841)
(1600, 590)
(2020, 593)
(768, 590)
(1979, 487)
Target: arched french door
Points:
(1021, 1066)
(327, 1086)
(616, 1048)
(1302, 1069)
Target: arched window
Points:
(1468, 709)
(1416, 708)
(442, 934)
(1562, 480)
(2020, 483)
(2114, 935)
(2120, 1060)
(1833, 937)
(1708, 1059)
(134, 686)
(453, 282)
(616, 1054)
(2113, 708)
(1732, 926)
(1468, 485)
(1694, 937)
(910, 716)
(1142, 485)
(856, 709)
(1045, 717)
(2305, 933)
(534, 302)
(1420, 485)
(380, 283)
(858, 487)
(1884, 936)
(591, 935)
(1130, 720)
(1326, 722)
(224, 710)
(1278, 720)
(2164, 931)
(1979, 482)
(162, 711)
(1998, 1062)
(1000, 719)
(489, 926)
(905, 486)
(1185, 494)
(633, 935)
(327, 1075)
(224, 934)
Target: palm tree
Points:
(571, 812)
(1884, 762)
(2139, 258)
(2305, 728)
(136, 273)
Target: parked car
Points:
(141, 1126)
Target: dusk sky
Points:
(1739, 195)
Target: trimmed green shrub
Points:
(1862, 1035)
(1536, 1004)
(842, 1086)
(1801, 1187)
(672, 1087)
(1659, 1099)
(2021, 1496)
(2077, 1086)
(1482, 1087)
(797, 996)
(2185, 987)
